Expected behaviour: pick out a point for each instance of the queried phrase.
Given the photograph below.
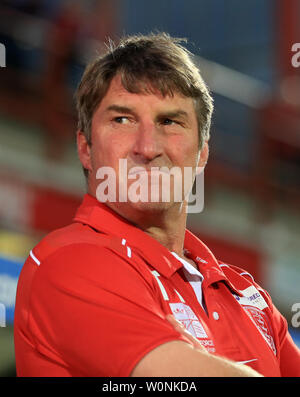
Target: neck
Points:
(170, 233)
(166, 225)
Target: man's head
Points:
(157, 59)
(137, 69)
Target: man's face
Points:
(145, 130)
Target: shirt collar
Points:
(188, 267)
(102, 218)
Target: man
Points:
(126, 290)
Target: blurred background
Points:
(251, 216)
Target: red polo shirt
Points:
(92, 299)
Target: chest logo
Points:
(187, 317)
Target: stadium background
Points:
(251, 216)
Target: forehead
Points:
(118, 93)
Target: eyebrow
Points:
(174, 114)
(168, 114)
(120, 109)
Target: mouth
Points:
(153, 170)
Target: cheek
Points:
(108, 149)
(185, 151)
(118, 146)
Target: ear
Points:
(203, 156)
(84, 150)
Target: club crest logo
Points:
(263, 324)
(189, 320)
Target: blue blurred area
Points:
(9, 274)
(295, 334)
(234, 33)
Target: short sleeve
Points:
(95, 312)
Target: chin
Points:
(150, 206)
(154, 208)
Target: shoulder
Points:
(71, 235)
(82, 250)
(89, 268)
(73, 240)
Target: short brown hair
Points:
(157, 61)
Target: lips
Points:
(141, 170)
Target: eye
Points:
(121, 120)
(168, 121)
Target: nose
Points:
(148, 144)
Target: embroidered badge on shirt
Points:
(187, 317)
(189, 320)
(262, 323)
